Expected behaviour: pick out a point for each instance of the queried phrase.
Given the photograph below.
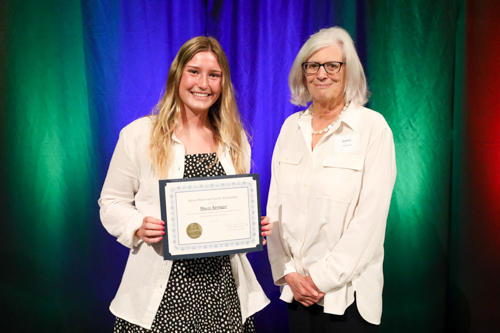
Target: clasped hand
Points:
(304, 290)
(152, 230)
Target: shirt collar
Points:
(351, 116)
(305, 118)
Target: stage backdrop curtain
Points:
(73, 73)
(475, 225)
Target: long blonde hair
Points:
(223, 114)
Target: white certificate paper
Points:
(210, 216)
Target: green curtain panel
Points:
(411, 75)
(48, 165)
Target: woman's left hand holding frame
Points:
(151, 230)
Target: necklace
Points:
(326, 129)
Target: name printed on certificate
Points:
(210, 216)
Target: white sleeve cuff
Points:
(286, 294)
(320, 276)
(128, 237)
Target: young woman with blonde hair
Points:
(194, 131)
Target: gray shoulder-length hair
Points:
(355, 91)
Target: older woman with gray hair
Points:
(333, 173)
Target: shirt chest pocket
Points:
(351, 162)
(343, 173)
(289, 165)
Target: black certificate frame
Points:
(167, 255)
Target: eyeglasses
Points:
(331, 67)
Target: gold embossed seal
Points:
(194, 230)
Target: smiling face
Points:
(200, 84)
(324, 87)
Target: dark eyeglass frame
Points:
(304, 64)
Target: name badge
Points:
(346, 143)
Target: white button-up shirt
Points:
(131, 192)
(329, 207)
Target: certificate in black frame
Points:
(166, 250)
